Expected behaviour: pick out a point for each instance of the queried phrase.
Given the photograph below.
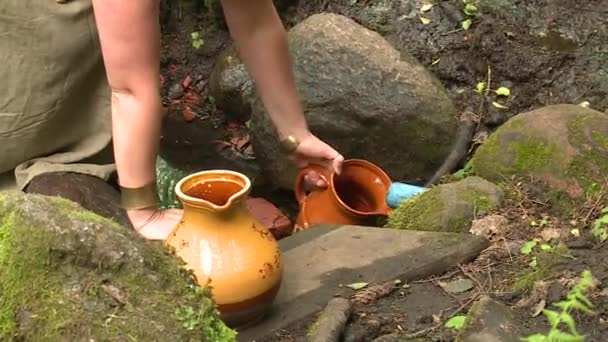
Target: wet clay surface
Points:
(217, 192)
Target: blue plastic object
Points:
(398, 192)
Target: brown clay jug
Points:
(221, 241)
(355, 197)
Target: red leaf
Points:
(189, 115)
(187, 82)
(191, 98)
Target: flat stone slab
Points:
(321, 258)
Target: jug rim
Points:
(219, 174)
(382, 175)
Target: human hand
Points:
(313, 150)
(154, 224)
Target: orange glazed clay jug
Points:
(355, 197)
(221, 241)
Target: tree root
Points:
(331, 322)
(457, 153)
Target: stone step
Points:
(319, 259)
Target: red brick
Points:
(270, 216)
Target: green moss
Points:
(533, 155)
(418, 212)
(21, 285)
(591, 164)
(480, 201)
(54, 285)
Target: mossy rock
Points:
(564, 146)
(447, 207)
(67, 274)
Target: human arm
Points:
(129, 34)
(261, 39)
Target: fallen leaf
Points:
(575, 232)
(187, 82)
(503, 91)
(191, 98)
(357, 286)
(436, 61)
(538, 308)
(456, 322)
(426, 8)
(457, 286)
(498, 105)
(188, 114)
(425, 21)
(528, 246)
(470, 9)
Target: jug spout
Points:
(213, 190)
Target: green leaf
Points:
(605, 210)
(527, 247)
(481, 86)
(546, 247)
(558, 335)
(503, 91)
(466, 24)
(584, 299)
(197, 44)
(470, 9)
(456, 322)
(425, 21)
(195, 35)
(581, 307)
(534, 262)
(552, 316)
(498, 105)
(536, 338)
(569, 321)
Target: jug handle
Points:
(299, 186)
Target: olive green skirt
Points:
(55, 100)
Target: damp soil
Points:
(544, 51)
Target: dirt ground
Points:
(545, 51)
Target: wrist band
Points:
(139, 198)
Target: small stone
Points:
(200, 86)
(490, 226)
(553, 234)
(176, 91)
(491, 321)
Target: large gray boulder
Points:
(359, 94)
(67, 274)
